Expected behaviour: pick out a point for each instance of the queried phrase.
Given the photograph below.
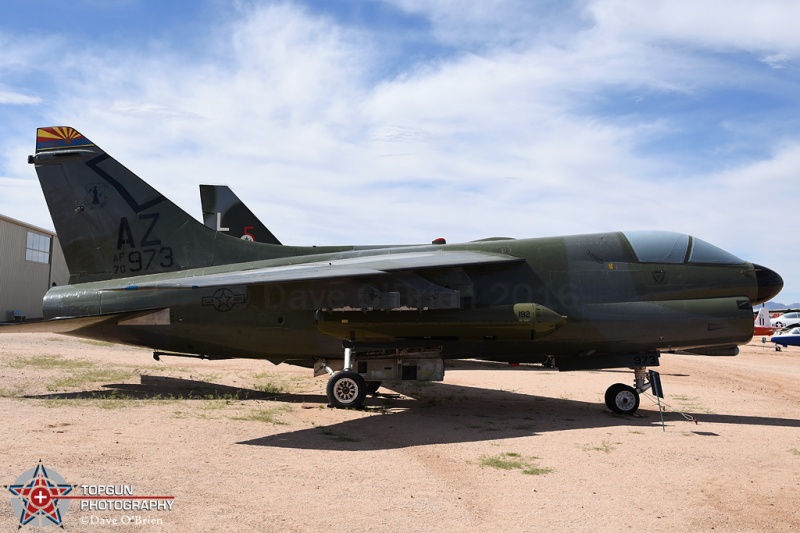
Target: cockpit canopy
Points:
(670, 247)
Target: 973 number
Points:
(143, 260)
(645, 360)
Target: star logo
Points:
(223, 300)
(37, 497)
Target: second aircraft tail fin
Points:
(224, 211)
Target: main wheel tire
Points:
(622, 399)
(346, 389)
(373, 386)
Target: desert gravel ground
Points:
(247, 446)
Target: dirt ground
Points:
(247, 446)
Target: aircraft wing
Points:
(69, 324)
(367, 266)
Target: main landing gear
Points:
(361, 374)
(624, 399)
(348, 389)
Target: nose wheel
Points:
(622, 399)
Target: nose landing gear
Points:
(624, 399)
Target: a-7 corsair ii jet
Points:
(143, 272)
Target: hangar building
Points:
(31, 261)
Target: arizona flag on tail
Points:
(59, 137)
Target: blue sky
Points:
(399, 121)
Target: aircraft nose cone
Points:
(769, 282)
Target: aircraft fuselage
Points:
(609, 300)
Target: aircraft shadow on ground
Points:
(419, 413)
(442, 413)
(161, 387)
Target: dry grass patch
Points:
(514, 461)
(604, 447)
(267, 416)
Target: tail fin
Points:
(111, 224)
(762, 318)
(224, 211)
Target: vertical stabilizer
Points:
(762, 318)
(111, 224)
(224, 211)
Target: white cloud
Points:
(12, 98)
(148, 110)
(497, 23)
(776, 61)
(714, 24)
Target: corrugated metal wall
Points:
(59, 273)
(23, 283)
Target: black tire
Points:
(346, 389)
(622, 399)
(373, 386)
